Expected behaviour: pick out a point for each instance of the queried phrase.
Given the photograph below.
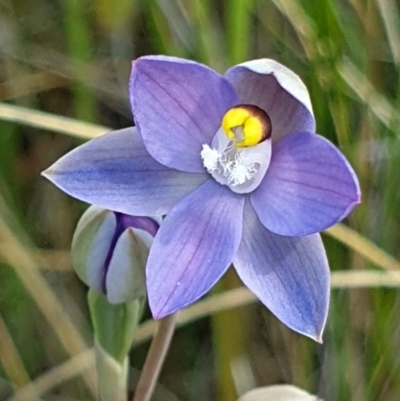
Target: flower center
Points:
(246, 125)
(241, 149)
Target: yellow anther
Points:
(246, 125)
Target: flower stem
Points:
(155, 359)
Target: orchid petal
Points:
(116, 172)
(277, 90)
(178, 106)
(193, 248)
(308, 187)
(289, 275)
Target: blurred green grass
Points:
(72, 58)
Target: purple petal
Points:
(178, 106)
(193, 248)
(147, 224)
(116, 172)
(308, 187)
(290, 276)
(277, 90)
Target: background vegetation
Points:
(71, 58)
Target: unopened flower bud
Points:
(278, 392)
(109, 252)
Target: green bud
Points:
(110, 250)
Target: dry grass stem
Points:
(214, 304)
(50, 122)
(10, 358)
(62, 373)
(17, 256)
(363, 246)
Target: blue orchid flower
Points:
(235, 164)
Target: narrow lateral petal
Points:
(289, 275)
(193, 248)
(116, 172)
(308, 187)
(277, 90)
(178, 106)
